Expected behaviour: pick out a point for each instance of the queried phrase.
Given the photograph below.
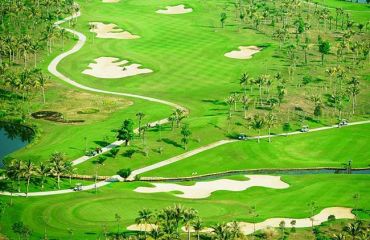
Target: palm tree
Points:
(15, 170)
(140, 117)
(189, 216)
(144, 218)
(69, 170)
(270, 122)
(180, 115)
(41, 80)
(245, 100)
(353, 89)
(230, 102)
(244, 81)
(172, 119)
(223, 18)
(57, 165)
(353, 229)
(197, 226)
(258, 122)
(260, 81)
(43, 171)
(221, 230)
(29, 171)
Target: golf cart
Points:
(78, 187)
(305, 128)
(343, 122)
(242, 136)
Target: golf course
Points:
(184, 119)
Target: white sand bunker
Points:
(243, 52)
(205, 189)
(142, 227)
(180, 9)
(338, 212)
(111, 1)
(110, 31)
(110, 67)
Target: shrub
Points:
(331, 218)
(124, 173)
(102, 159)
(113, 152)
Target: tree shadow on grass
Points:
(171, 142)
(102, 143)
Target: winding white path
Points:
(80, 43)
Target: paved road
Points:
(223, 142)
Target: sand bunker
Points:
(110, 31)
(110, 67)
(205, 189)
(142, 227)
(111, 1)
(180, 9)
(338, 212)
(244, 52)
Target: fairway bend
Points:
(52, 68)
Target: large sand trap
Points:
(243, 52)
(179, 9)
(110, 67)
(111, 1)
(142, 227)
(205, 189)
(110, 31)
(338, 212)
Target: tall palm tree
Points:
(245, 100)
(244, 81)
(15, 170)
(57, 165)
(353, 89)
(189, 216)
(41, 80)
(144, 218)
(29, 172)
(270, 122)
(43, 171)
(69, 170)
(258, 122)
(221, 231)
(197, 226)
(140, 117)
(353, 229)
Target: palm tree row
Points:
(27, 26)
(17, 170)
(167, 224)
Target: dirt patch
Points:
(54, 117)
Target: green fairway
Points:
(310, 70)
(87, 213)
(330, 148)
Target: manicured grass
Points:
(86, 212)
(329, 148)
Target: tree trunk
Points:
(28, 185)
(58, 180)
(43, 95)
(269, 134)
(35, 59)
(19, 184)
(259, 134)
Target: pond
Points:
(13, 137)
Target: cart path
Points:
(223, 142)
(80, 43)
